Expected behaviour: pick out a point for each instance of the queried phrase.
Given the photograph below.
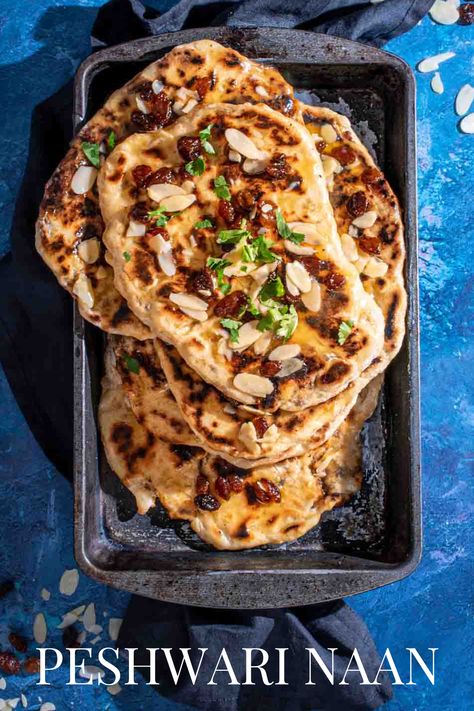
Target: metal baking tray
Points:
(376, 538)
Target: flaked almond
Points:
(270, 435)
(255, 166)
(223, 348)
(248, 334)
(330, 166)
(300, 249)
(241, 143)
(89, 250)
(253, 384)
(141, 106)
(184, 94)
(263, 344)
(297, 275)
(196, 315)
(430, 64)
(248, 437)
(375, 268)
(188, 186)
(312, 300)
(40, 629)
(83, 290)
(163, 190)
(189, 301)
(136, 229)
(437, 83)
(69, 582)
(328, 134)
(445, 12)
(467, 124)
(361, 262)
(189, 106)
(289, 366)
(261, 91)
(464, 99)
(176, 203)
(349, 247)
(366, 220)
(234, 156)
(262, 273)
(167, 263)
(157, 86)
(178, 107)
(289, 350)
(83, 179)
(305, 228)
(161, 245)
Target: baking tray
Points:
(376, 538)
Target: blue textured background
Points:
(42, 43)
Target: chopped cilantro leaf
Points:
(203, 224)
(196, 166)
(345, 328)
(111, 140)
(161, 218)
(272, 289)
(92, 153)
(127, 256)
(285, 231)
(288, 324)
(232, 326)
(264, 253)
(131, 363)
(205, 135)
(232, 236)
(218, 265)
(221, 188)
(252, 309)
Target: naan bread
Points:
(70, 224)
(134, 366)
(357, 187)
(218, 422)
(268, 505)
(165, 273)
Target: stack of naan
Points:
(246, 257)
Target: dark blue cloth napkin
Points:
(36, 352)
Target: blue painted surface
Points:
(42, 44)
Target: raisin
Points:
(357, 204)
(6, 587)
(162, 175)
(231, 305)
(270, 368)
(236, 483)
(278, 167)
(17, 642)
(466, 14)
(203, 85)
(223, 487)
(370, 175)
(226, 210)
(189, 147)
(244, 201)
(320, 146)
(201, 281)
(313, 265)
(265, 217)
(145, 90)
(260, 424)
(206, 502)
(139, 212)
(344, 154)
(9, 664)
(31, 665)
(266, 491)
(70, 635)
(144, 122)
(232, 172)
(140, 175)
(153, 231)
(283, 104)
(371, 245)
(334, 281)
(202, 485)
(162, 111)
